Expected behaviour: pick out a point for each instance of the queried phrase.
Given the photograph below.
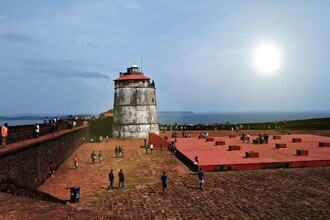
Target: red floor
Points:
(211, 157)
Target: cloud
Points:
(64, 68)
(21, 38)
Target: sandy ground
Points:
(138, 167)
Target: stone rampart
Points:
(28, 161)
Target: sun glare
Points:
(267, 58)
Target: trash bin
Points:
(75, 194)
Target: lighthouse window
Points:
(153, 101)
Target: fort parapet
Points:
(28, 161)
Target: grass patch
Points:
(300, 202)
(127, 187)
(254, 214)
(143, 181)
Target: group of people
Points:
(112, 178)
(247, 137)
(185, 134)
(264, 140)
(151, 146)
(93, 157)
(120, 151)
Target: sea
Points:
(188, 117)
(235, 117)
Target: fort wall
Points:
(28, 161)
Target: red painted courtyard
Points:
(212, 157)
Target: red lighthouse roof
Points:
(132, 76)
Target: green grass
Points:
(127, 187)
(143, 181)
(300, 202)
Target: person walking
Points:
(93, 156)
(111, 179)
(100, 156)
(4, 134)
(151, 147)
(116, 151)
(122, 151)
(121, 178)
(164, 181)
(248, 138)
(76, 160)
(201, 178)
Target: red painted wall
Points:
(157, 140)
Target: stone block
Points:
(209, 139)
(296, 140)
(324, 144)
(234, 147)
(302, 152)
(251, 154)
(280, 145)
(232, 136)
(277, 137)
(219, 143)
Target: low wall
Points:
(24, 132)
(28, 161)
(157, 141)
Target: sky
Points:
(62, 56)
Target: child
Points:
(51, 169)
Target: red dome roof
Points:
(132, 76)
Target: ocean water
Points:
(207, 118)
(235, 117)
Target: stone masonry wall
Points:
(29, 164)
(135, 112)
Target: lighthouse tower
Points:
(135, 106)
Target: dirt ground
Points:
(258, 194)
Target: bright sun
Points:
(267, 58)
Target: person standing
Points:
(196, 160)
(93, 156)
(36, 130)
(100, 156)
(119, 150)
(266, 138)
(164, 181)
(161, 147)
(116, 151)
(122, 151)
(147, 148)
(46, 120)
(76, 160)
(4, 134)
(243, 137)
(111, 179)
(151, 147)
(248, 138)
(201, 178)
(51, 169)
(121, 178)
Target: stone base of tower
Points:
(134, 131)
